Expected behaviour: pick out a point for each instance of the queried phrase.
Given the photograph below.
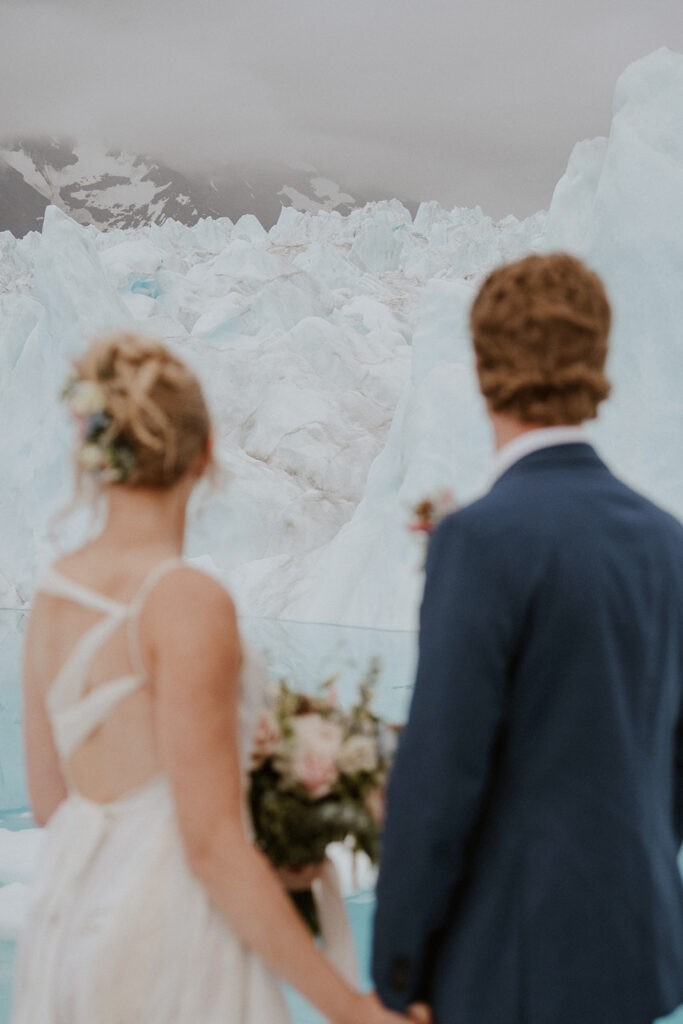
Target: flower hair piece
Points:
(103, 451)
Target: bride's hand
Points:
(369, 1010)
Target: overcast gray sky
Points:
(477, 101)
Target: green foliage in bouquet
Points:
(294, 830)
(318, 777)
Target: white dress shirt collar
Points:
(534, 441)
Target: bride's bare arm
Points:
(189, 634)
(46, 784)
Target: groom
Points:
(535, 812)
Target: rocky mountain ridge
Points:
(114, 189)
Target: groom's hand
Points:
(420, 1013)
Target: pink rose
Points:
(317, 743)
(315, 771)
(266, 741)
(312, 731)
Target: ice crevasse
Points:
(335, 355)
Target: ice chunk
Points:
(249, 228)
(625, 194)
(572, 204)
(72, 285)
(379, 243)
(131, 261)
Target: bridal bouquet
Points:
(318, 776)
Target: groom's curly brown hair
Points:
(540, 329)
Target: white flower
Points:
(86, 398)
(388, 740)
(358, 754)
(90, 457)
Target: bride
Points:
(152, 905)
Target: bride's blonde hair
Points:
(156, 419)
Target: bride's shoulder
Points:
(189, 614)
(191, 591)
(189, 621)
(70, 562)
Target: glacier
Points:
(334, 351)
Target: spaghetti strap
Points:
(138, 603)
(75, 713)
(54, 583)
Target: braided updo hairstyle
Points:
(540, 329)
(153, 407)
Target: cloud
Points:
(479, 101)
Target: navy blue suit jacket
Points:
(535, 812)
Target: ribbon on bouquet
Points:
(335, 931)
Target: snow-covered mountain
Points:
(115, 189)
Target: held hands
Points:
(369, 1010)
(366, 1009)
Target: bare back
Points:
(83, 651)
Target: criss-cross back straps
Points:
(69, 684)
(55, 583)
(63, 586)
(73, 723)
(138, 603)
(74, 713)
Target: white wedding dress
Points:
(120, 932)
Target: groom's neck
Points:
(506, 429)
